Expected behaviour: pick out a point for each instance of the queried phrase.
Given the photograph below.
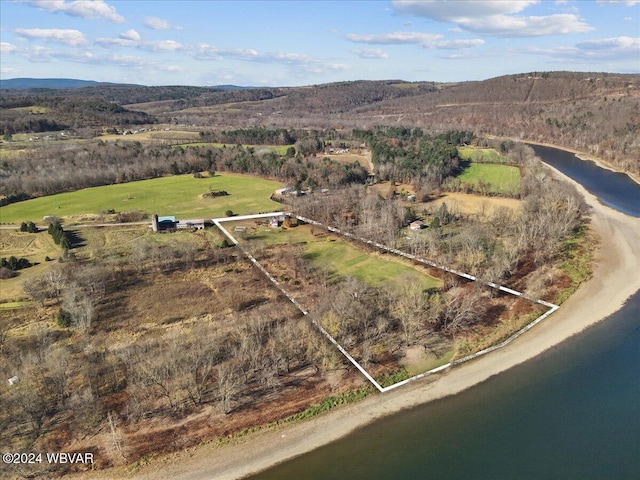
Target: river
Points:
(571, 413)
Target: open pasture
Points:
(481, 155)
(498, 179)
(176, 195)
(343, 259)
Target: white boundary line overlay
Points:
(552, 308)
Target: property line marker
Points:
(552, 307)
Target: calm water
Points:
(614, 189)
(571, 413)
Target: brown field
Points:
(348, 158)
(470, 204)
(154, 136)
(32, 246)
(171, 307)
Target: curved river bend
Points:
(571, 413)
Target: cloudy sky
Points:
(284, 43)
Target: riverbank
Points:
(614, 280)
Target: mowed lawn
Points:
(503, 179)
(177, 195)
(481, 155)
(343, 259)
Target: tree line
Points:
(68, 167)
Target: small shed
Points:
(417, 225)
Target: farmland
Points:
(481, 155)
(176, 195)
(342, 259)
(492, 178)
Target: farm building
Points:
(169, 222)
(158, 224)
(417, 225)
(196, 224)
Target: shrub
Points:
(6, 273)
(63, 319)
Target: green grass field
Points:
(481, 155)
(500, 179)
(343, 259)
(177, 195)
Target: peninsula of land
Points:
(615, 279)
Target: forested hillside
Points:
(595, 113)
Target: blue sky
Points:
(286, 43)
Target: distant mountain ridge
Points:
(65, 83)
(25, 83)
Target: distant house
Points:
(417, 225)
(411, 197)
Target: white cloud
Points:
(6, 47)
(395, 38)
(69, 37)
(626, 45)
(130, 35)
(599, 50)
(628, 3)
(116, 42)
(155, 23)
(446, 11)
(211, 52)
(458, 44)
(303, 62)
(150, 46)
(494, 18)
(370, 53)
(519, 26)
(88, 9)
(425, 40)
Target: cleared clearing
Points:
(342, 259)
(177, 195)
(471, 204)
(481, 155)
(499, 179)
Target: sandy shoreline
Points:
(615, 279)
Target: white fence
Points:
(552, 308)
